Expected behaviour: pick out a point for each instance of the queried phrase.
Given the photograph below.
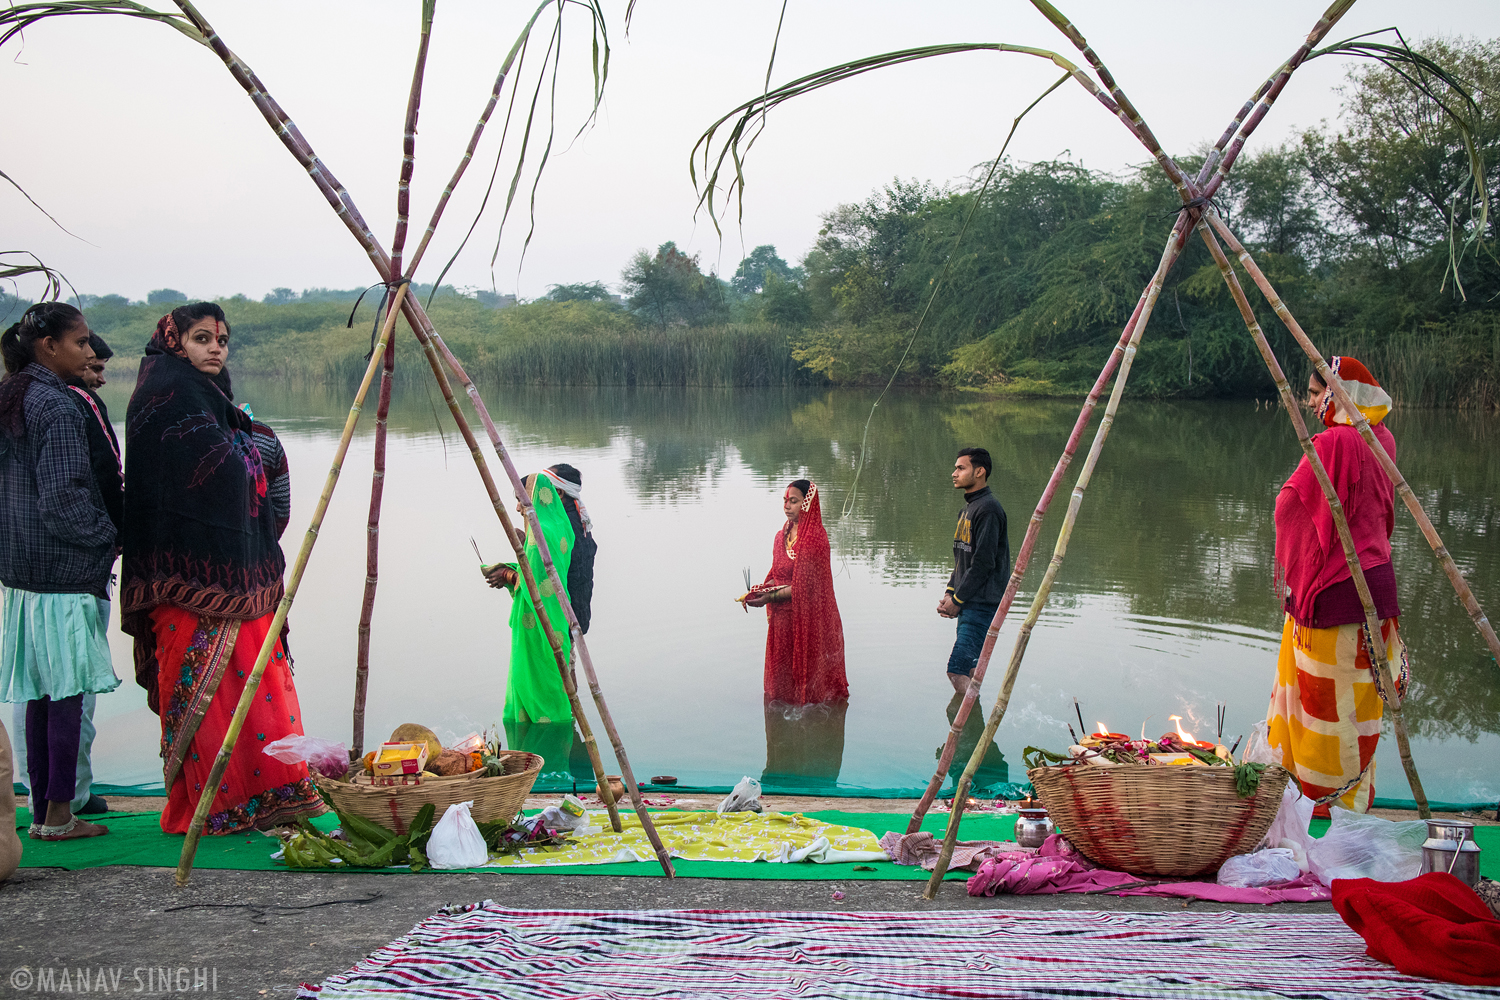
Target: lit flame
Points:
(1186, 737)
(1103, 730)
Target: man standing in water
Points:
(981, 563)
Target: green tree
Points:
(785, 302)
(165, 297)
(280, 297)
(589, 291)
(1397, 174)
(750, 276)
(669, 288)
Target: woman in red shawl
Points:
(1325, 710)
(201, 579)
(805, 641)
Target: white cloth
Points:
(576, 492)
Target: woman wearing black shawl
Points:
(201, 579)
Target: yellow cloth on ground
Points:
(1325, 710)
(708, 836)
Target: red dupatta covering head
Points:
(1309, 555)
(805, 641)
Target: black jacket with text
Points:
(981, 551)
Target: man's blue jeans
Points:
(973, 622)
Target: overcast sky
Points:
(140, 142)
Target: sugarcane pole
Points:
(1023, 560)
(1379, 659)
(627, 774)
(565, 669)
(344, 207)
(1044, 590)
(387, 374)
(372, 551)
(1362, 424)
(1023, 557)
(428, 339)
(273, 633)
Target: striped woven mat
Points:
(489, 951)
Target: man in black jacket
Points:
(981, 563)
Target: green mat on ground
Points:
(137, 839)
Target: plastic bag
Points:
(1258, 749)
(456, 841)
(1290, 827)
(556, 819)
(744, 798)
(1362, 846)
(1274, 864)
(329, 759)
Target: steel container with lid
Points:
(1450, 848)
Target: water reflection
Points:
(565, 758)
(804, 746)
(993, 769)
(1164, 605)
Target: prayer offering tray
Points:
(393, 807)
(1152, 820)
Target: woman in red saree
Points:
(805, 640)
(201, 580)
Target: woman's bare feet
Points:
(74, 829)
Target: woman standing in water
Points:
(201, 580)
(57, 544)
(805, 638)
(1325, 710)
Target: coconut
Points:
(410, 732)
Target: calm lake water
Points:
(1164, 606)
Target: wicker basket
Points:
(395, 806)
(1173, 821)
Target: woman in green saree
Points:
(534, 693)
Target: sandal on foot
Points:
(35, 832)
(73, 829)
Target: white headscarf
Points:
(575, 491)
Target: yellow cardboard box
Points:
(395, 759)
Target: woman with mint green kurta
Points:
(534, 692)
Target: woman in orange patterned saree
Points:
(1326, 707)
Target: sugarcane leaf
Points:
(1038, 757)
(421, 827)
(737, 140)
(360, 830)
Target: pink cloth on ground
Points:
(1058, 867)
(921, 848)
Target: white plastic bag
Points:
(1290, 827)
(455, 841)
(328, 758)
(1362, 846)
(567, 815)
(744, 798)
(1274, 864)
(1258, 749)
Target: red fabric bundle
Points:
(1432, 926)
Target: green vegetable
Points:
(365, 844)
(1247, 779)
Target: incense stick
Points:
(1081, 727)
